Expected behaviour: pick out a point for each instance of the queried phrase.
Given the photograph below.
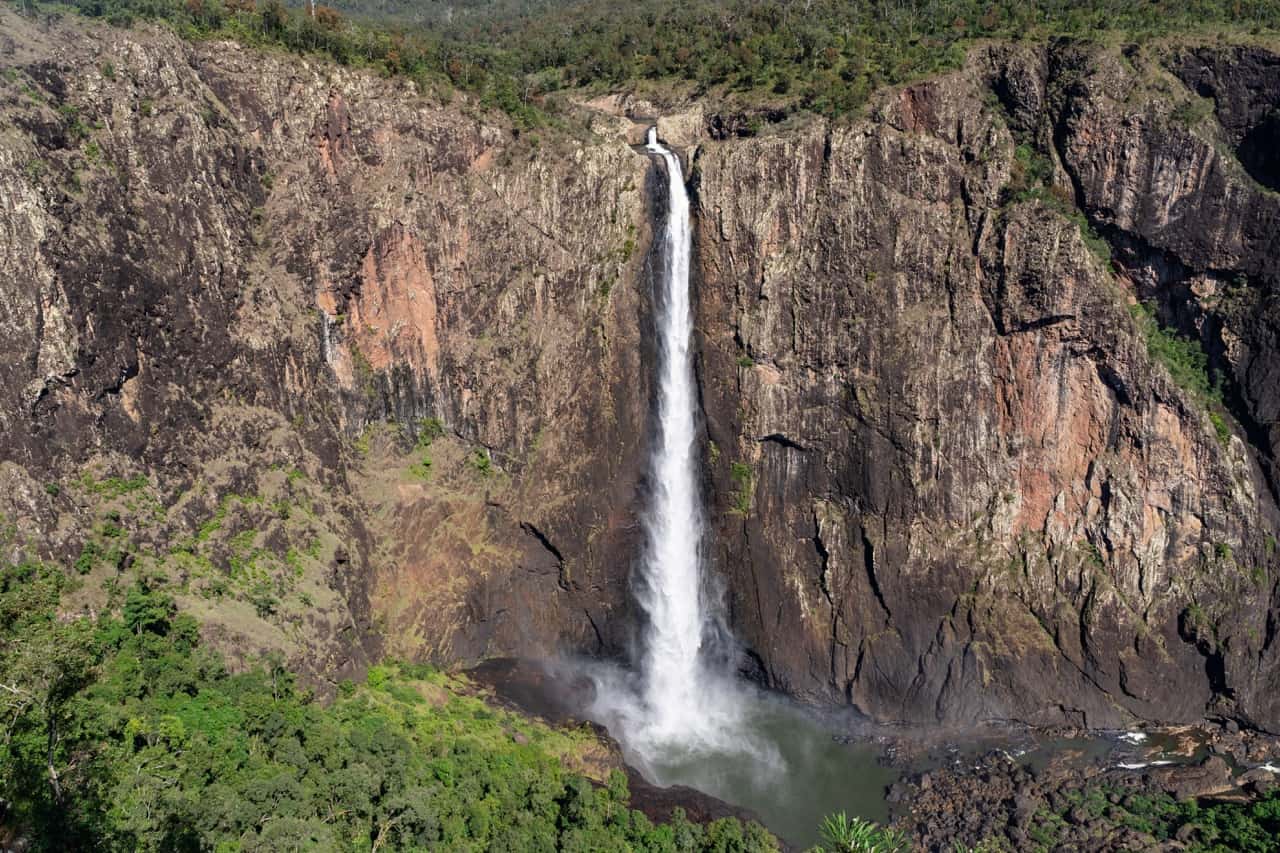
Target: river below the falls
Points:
(816, 764)
(813, 771)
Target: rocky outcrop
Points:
(222, 267)
(358, 372)
(1092, 799)
(952, 482)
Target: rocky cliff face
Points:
(356, 371)
(953, 483)
(382, 359)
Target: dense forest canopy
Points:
(823, 56)
(126, 733)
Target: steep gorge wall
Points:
(963, 490)
(263, 285)
(948, 481)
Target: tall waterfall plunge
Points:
(683, 705)
(681, 715)
(669, 585)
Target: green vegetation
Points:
(1046, 829)
(1031, 179)
(1220, 428)
(1185, 359)
(254, 548)
(429, 429)
(517, 55)
(365, 438)
(112, 487)
(1191, 112)
(421, 468)
(842, 834)
(1223, 827)
(1196, 617)
(1031, 169)
(1188, 366)
(744, 480)
(34, 170)
(481, 461)
(124, 732)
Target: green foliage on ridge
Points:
(124, 732)
(825, 56)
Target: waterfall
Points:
(669, 584)
(682, 718)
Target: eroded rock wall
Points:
(359, 372)
(952, 483)
(388, 352)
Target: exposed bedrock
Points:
(952, 483)
(330, 316)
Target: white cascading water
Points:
(669, 589)
(684, 707)
(682, 717)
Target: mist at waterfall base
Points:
(681, 715)
(755, 750)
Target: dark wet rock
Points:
(1213, 776)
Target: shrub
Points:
(422, 468)
(1191, 112)
(1221, 428)
(842, 834)
(1185, 359)
(429, 429)
(88, 558)
(481, 461)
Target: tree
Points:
(45, 660)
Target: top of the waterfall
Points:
(652, 139)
